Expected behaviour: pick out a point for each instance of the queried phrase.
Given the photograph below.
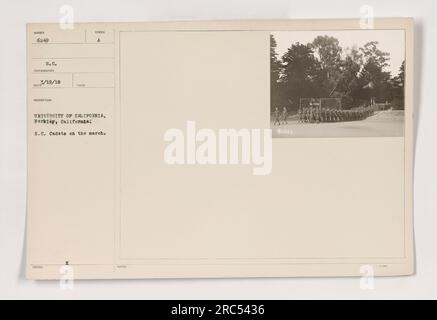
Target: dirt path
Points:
(388, 123)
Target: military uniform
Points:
(284, 115)
(276, 116)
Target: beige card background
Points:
(111, 207)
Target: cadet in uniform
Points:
(276, 115)
(284, 115)
(317, 115)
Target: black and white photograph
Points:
(342, 83)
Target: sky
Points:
(391, 41)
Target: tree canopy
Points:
(323, 68)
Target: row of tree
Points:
(322, 69)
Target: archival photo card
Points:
(220, 149)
